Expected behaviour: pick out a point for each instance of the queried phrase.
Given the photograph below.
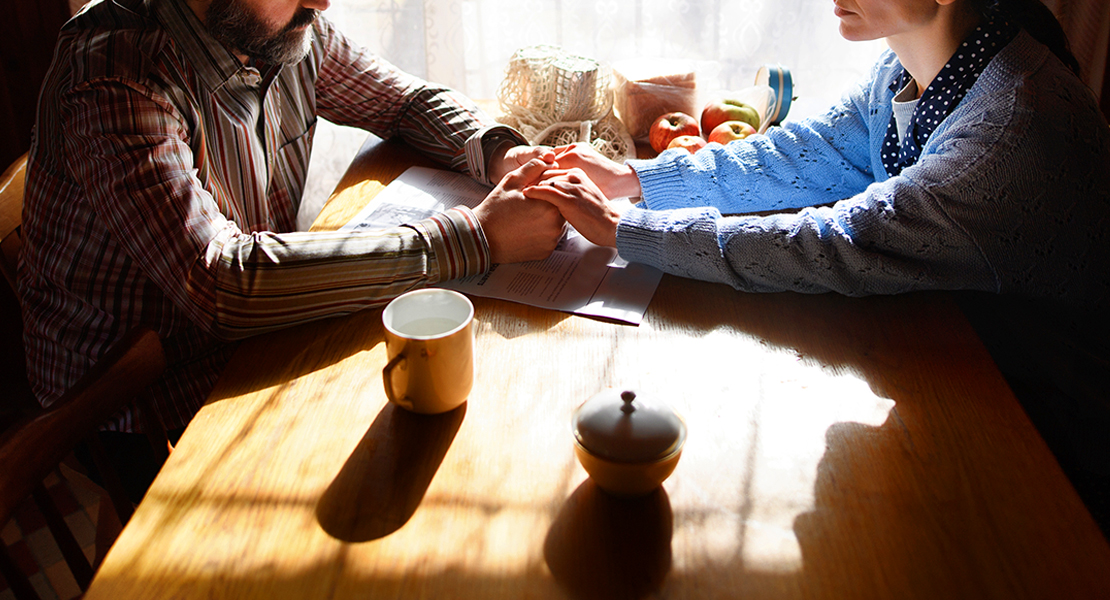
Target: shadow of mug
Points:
(601, 546)
(385, 478)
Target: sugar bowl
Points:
(628, 442)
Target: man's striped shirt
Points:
(163, 186)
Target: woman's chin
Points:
(854, 34)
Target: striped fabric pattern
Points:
(163, 187)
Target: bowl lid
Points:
(626, 426)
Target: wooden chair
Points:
(13, 374)
(35, 446)
(11, 209)
(34, 441)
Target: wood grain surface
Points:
(838, 448)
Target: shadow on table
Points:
(284, 356)
(873, 529)
(895, 511)
(603, 547)
(511, 320)
(385, 478)
(297, 352)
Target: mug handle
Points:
(387, 377)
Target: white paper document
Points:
(579, 276)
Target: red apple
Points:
(726, 109)
(689, 143)
(730, 130)
(670, 126)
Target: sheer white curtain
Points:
(727, 40)
(467, 44)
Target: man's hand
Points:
(614, 179)
(581, 202)
(514, 157)
(518, 228)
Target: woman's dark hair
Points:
(1035, 18)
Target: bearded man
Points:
(167, 166)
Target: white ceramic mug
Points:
(429, 338)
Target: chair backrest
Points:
(33, 442)
(11, 215)
(13, 374)
(32, 448)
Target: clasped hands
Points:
(523, 217)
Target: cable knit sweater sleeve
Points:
(816, 161)
(1010, 194)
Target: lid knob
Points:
(628, 396)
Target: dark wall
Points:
(28, 30)
(1105, 96)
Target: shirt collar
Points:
(213, 62)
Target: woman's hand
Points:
(614, 179)
(518, 228)
(580, 201)
(514, 157)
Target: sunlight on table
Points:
(761, 452)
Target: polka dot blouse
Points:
(944, 93)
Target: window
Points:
(467, 44)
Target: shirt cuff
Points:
(481, 145)
(458, 245)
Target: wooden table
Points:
(838, 448)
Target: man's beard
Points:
(242, 30)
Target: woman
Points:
(973, 158)
(998, 181)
